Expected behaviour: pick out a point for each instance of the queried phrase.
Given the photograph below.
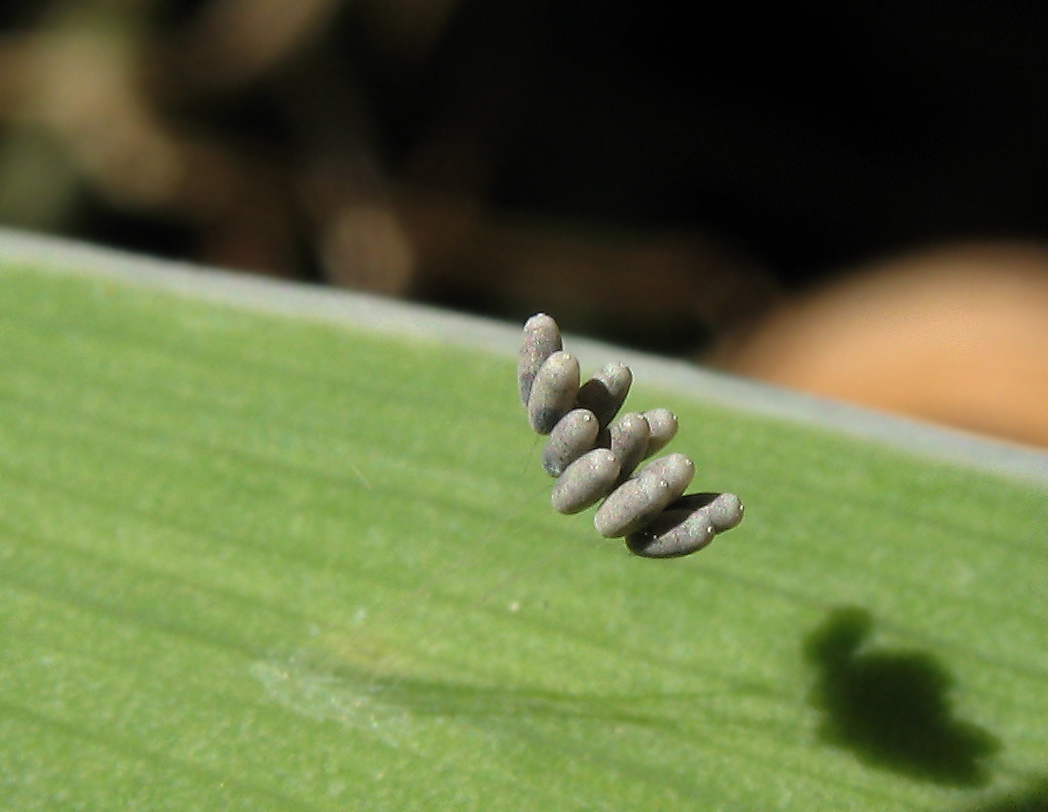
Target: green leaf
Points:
(251, 561)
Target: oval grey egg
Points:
(662, 425)
(725, 510)
(637, 501)
(628, 439)
(553, 391)
(541, 339)
(606, 391)
(687, 526)
(585, 481)
(673, 533)
(573, 436)
(676, 467)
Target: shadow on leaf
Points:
(891, 708)
(1032, 799)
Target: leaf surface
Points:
(259, 562)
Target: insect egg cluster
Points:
(594, 453)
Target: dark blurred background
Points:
(674, 177)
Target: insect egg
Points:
(585, 481)
(725, 510)
(541, 339)
(628, 439)
(573, 436)
(606, 391)
(673, 533)
(687, 526)
(637, 501)
(662, 424)
(553, 391)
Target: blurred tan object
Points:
(365, 247)
(956, 335)
(653, 286)
(236, 41)
(79, 113)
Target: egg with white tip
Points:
(606, 391)
(637, 501)
(541, 339)
(553, 391)
(574, 435)
(687, 526)
(586, 481)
